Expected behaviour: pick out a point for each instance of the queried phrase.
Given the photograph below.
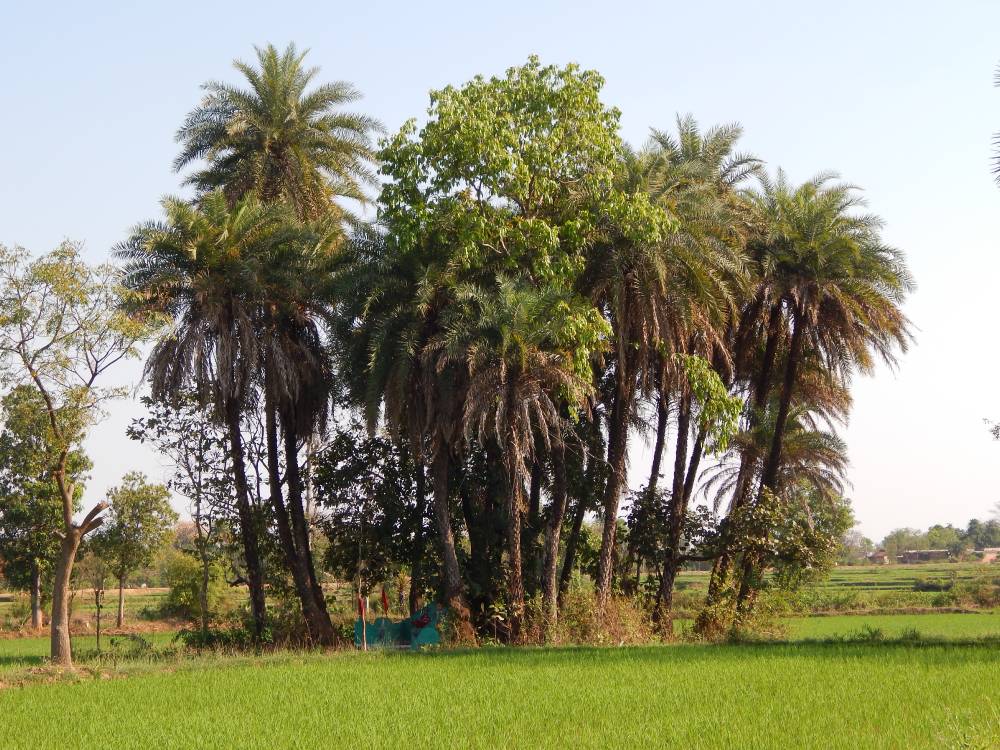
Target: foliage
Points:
(279, 139)
(30, 504)
(138, 524)
(367, 485)
(719, 411)
(182, 573)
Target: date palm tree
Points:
(196, 270)
(841, 286)
(519, 383)
(279, 138)
(390, 307)
(829, 288)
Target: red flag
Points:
(361, 607)
(385, 602)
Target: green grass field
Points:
(747, 696)
(873, 577)
(936, 625)
(21, 653)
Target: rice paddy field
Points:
(859, 680)
(846, 695)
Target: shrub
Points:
(182, 573)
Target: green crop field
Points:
(19, 653)
(760, 696)
(936, 625)
(874, 577)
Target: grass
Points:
(871, 577)
(846, 695)
(21, 653)
(14, 608)
(938, 625)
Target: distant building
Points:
(879, 557)
(924, 555)
(989, 554)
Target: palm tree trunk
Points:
(533, 551)
(325, 634)
(769, 478)
(551, 561)
(285, 537)
(584, 501)
(454, 589)
(719, 582)
(417, 559)
(572, 542)
(248, 523)
(515, 576)
(676, 510)
(617, 459)
(662, 420)
(36, 596)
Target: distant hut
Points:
(878, 557)
(911, 556)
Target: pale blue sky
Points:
(896, 96)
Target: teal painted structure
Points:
(413, 632)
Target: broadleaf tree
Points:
(61, 331)
(137, 525)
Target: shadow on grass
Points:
(859, 645)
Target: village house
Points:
(924, 555)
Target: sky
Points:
(897, 97)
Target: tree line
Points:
(441, 346)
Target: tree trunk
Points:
(325, 634)
(662, 420)
(752, 563)
(617, 459)
(515, 576)
(417, 560)
(533, 551)
(676, 511)
(248, 523)
(572, 542)
(454, 589)
(61, 650)
(203, 593)
(293, 560)
(120, 618)
(769, 478)
(719, 581)
(36, 596)
(551, 560)
(583, 502)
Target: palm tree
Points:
(280, 139)
(829, 288)
(390, 306)
(294, 283)
(664, 298)
(518, 386)
(842, 287)
(192, 270)
(697, 177)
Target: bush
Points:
(182, 574)
(229, 639)
(624, 622)
(934, 584)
